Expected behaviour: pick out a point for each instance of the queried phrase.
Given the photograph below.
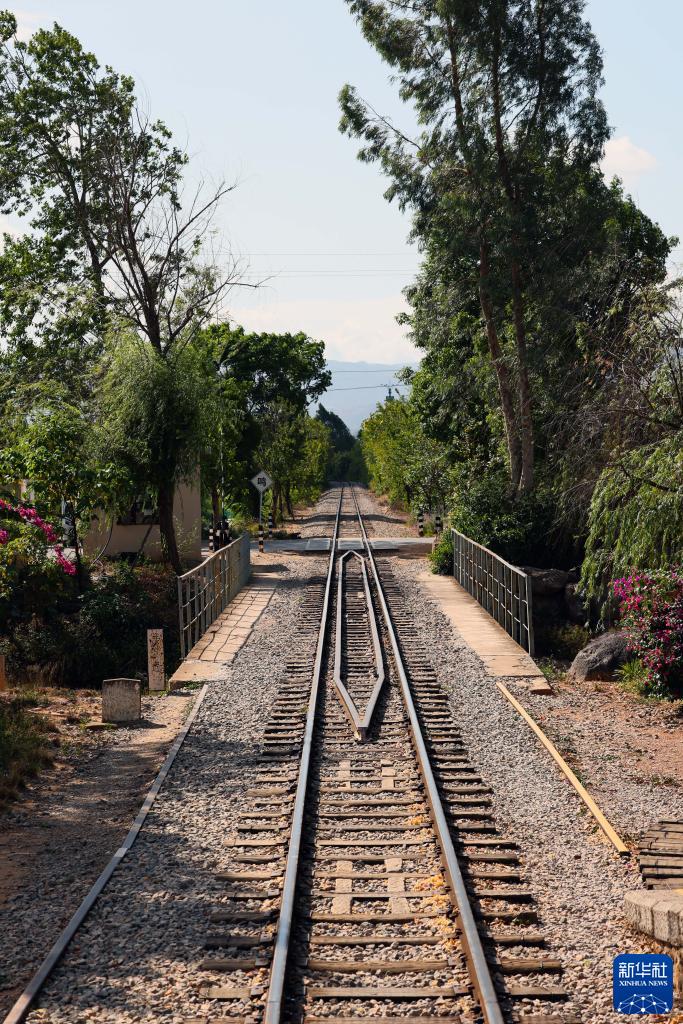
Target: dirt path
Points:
(57, 837)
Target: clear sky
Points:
(251, 89)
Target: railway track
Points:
(367, 877)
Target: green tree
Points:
(113, 245)
(155, 413)
(59, 117)
(264, 379)
(403, 463)
(294, 449)
(341, 438)
(635, 519)
(346, 460)
(313, 460)
(503, 182)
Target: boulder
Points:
(600, 657)
(574, 605)
(545, 582)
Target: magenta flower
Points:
(651, 608)
(31, 517)
(61, 559)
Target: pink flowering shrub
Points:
(33, 566)
(651, 609)
(30, 517)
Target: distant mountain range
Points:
(357, 388)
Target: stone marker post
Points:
(121, 700)
(155, 659)
(3, 673)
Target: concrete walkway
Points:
(231, 630)
(499, 652)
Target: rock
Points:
(574, 605)
(546, 581)
(600, 657)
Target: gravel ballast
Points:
(381, 520)
(136, 958)
(576, 878)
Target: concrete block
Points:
(155, 659)
(657, 913)
(121, 700)
(667, 919)
(638, 910)
(193, 670)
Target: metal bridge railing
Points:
(503, 590)
(204, 592)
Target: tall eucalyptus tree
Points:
(505, 94)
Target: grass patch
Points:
(553, 669)
(25, 745)
(633, 678)
(30, 699)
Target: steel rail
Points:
(474, 951)
(278, 968)
(360, 724)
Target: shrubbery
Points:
(442, 555)
(519, 529)
(34, 572)
(559, 640)
(636, 517)
(651, 606)
(101, 633)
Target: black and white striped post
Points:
(270, 525)
(224, 533)
(438, 523)
(261, 482)
(420, 523)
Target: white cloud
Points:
(352, 330)
(626, 160)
